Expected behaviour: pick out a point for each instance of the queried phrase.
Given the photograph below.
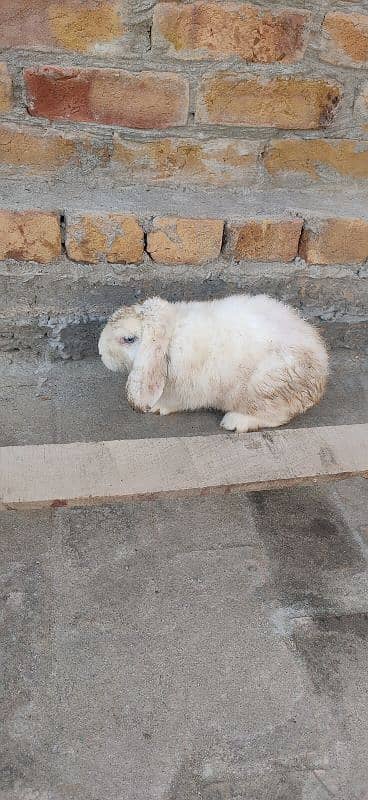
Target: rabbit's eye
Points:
(128, 339)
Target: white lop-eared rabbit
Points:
(251, 357)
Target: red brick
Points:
(75, 25)
(5, 89)
(264, 240)
(185, 241)
(335, 241)
(204, 30)
(345, 38)
(29, 236)
(288, 103)
(134, 100)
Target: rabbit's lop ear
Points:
(147, 378)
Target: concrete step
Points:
(44, 401)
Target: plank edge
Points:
(221, 489)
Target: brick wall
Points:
(119, 239)
(144, 143)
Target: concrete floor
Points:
(201, 649)
(69, 401)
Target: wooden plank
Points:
(102, 472)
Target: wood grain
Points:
(103, 472)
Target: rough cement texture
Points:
(66, 401)
(211, 649)
(200, 649)
(61, 307)
(204, 649)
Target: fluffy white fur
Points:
(251, 357)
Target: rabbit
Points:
(251, 357)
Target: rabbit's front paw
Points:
(162, 410)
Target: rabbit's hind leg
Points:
(233, 421)
(242, 423)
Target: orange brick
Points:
(345, 157)
(116, 238)
(185, 241)
(204, 30)
(345, 38)
(180, 161)
(109, 96)
(279, 102)
(335, 241)
(6, 92)
(39, 152)
(29, 236)
(75, 25)
(264, 240)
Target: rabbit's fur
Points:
(251, 357)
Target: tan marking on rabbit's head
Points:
(120, 338)
(136, 340)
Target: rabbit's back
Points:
(265, 322)
(237, 329)
(218, 347)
